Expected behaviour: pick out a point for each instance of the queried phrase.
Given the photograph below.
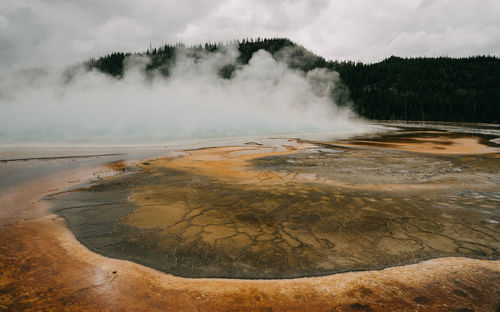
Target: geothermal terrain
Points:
(404, 218)
(249, 155)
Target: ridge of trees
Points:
(419, 89)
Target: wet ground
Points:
(43, 267)
(281, 208)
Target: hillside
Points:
(420, 89)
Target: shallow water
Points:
(291, 209)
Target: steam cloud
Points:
(265, 97)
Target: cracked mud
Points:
(289, 208)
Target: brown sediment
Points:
(45, 269)
(118, 166)
(43, 266)
(267, 224)
(233, 165)
(437, 144)
(215, 212)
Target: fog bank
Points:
(264, 97)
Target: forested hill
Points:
(437, 89)
(419, 89)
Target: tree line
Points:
(417, 89)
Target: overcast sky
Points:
(39, 32)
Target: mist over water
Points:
(265, 97)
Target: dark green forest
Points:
(417, 89)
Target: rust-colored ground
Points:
(431, 142)
(44, 268)
(214, 213)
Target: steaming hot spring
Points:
(411, 207)
(251, 193)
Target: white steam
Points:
(264, 97)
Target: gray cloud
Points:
(38, 32)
